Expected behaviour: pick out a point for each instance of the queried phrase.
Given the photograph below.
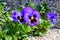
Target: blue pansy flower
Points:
(18, 16)
(52, 17)
(31, 16)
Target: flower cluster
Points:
(32, 16)
(28, 14)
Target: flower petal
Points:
(28, 9)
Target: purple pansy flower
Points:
(27, 9)
(18, 16)
(31, 16)
(52, 17)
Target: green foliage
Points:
(2, 0)
(10, 30)
(32, 5)
(1, 7)
(18, 9)
(42, 8)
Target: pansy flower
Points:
(52, 17)
(27, 9)
(31, 16)
(18, 16)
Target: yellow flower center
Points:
(20, 17)
(32, 18)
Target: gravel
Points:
(53, 34)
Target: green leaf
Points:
(36, 32)
(32, 5)
(0, 39)
(18, 9)
(25, 38)
(26, 28)
(1, 7)
(14, 37)
(42, 34)
(8, 38)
